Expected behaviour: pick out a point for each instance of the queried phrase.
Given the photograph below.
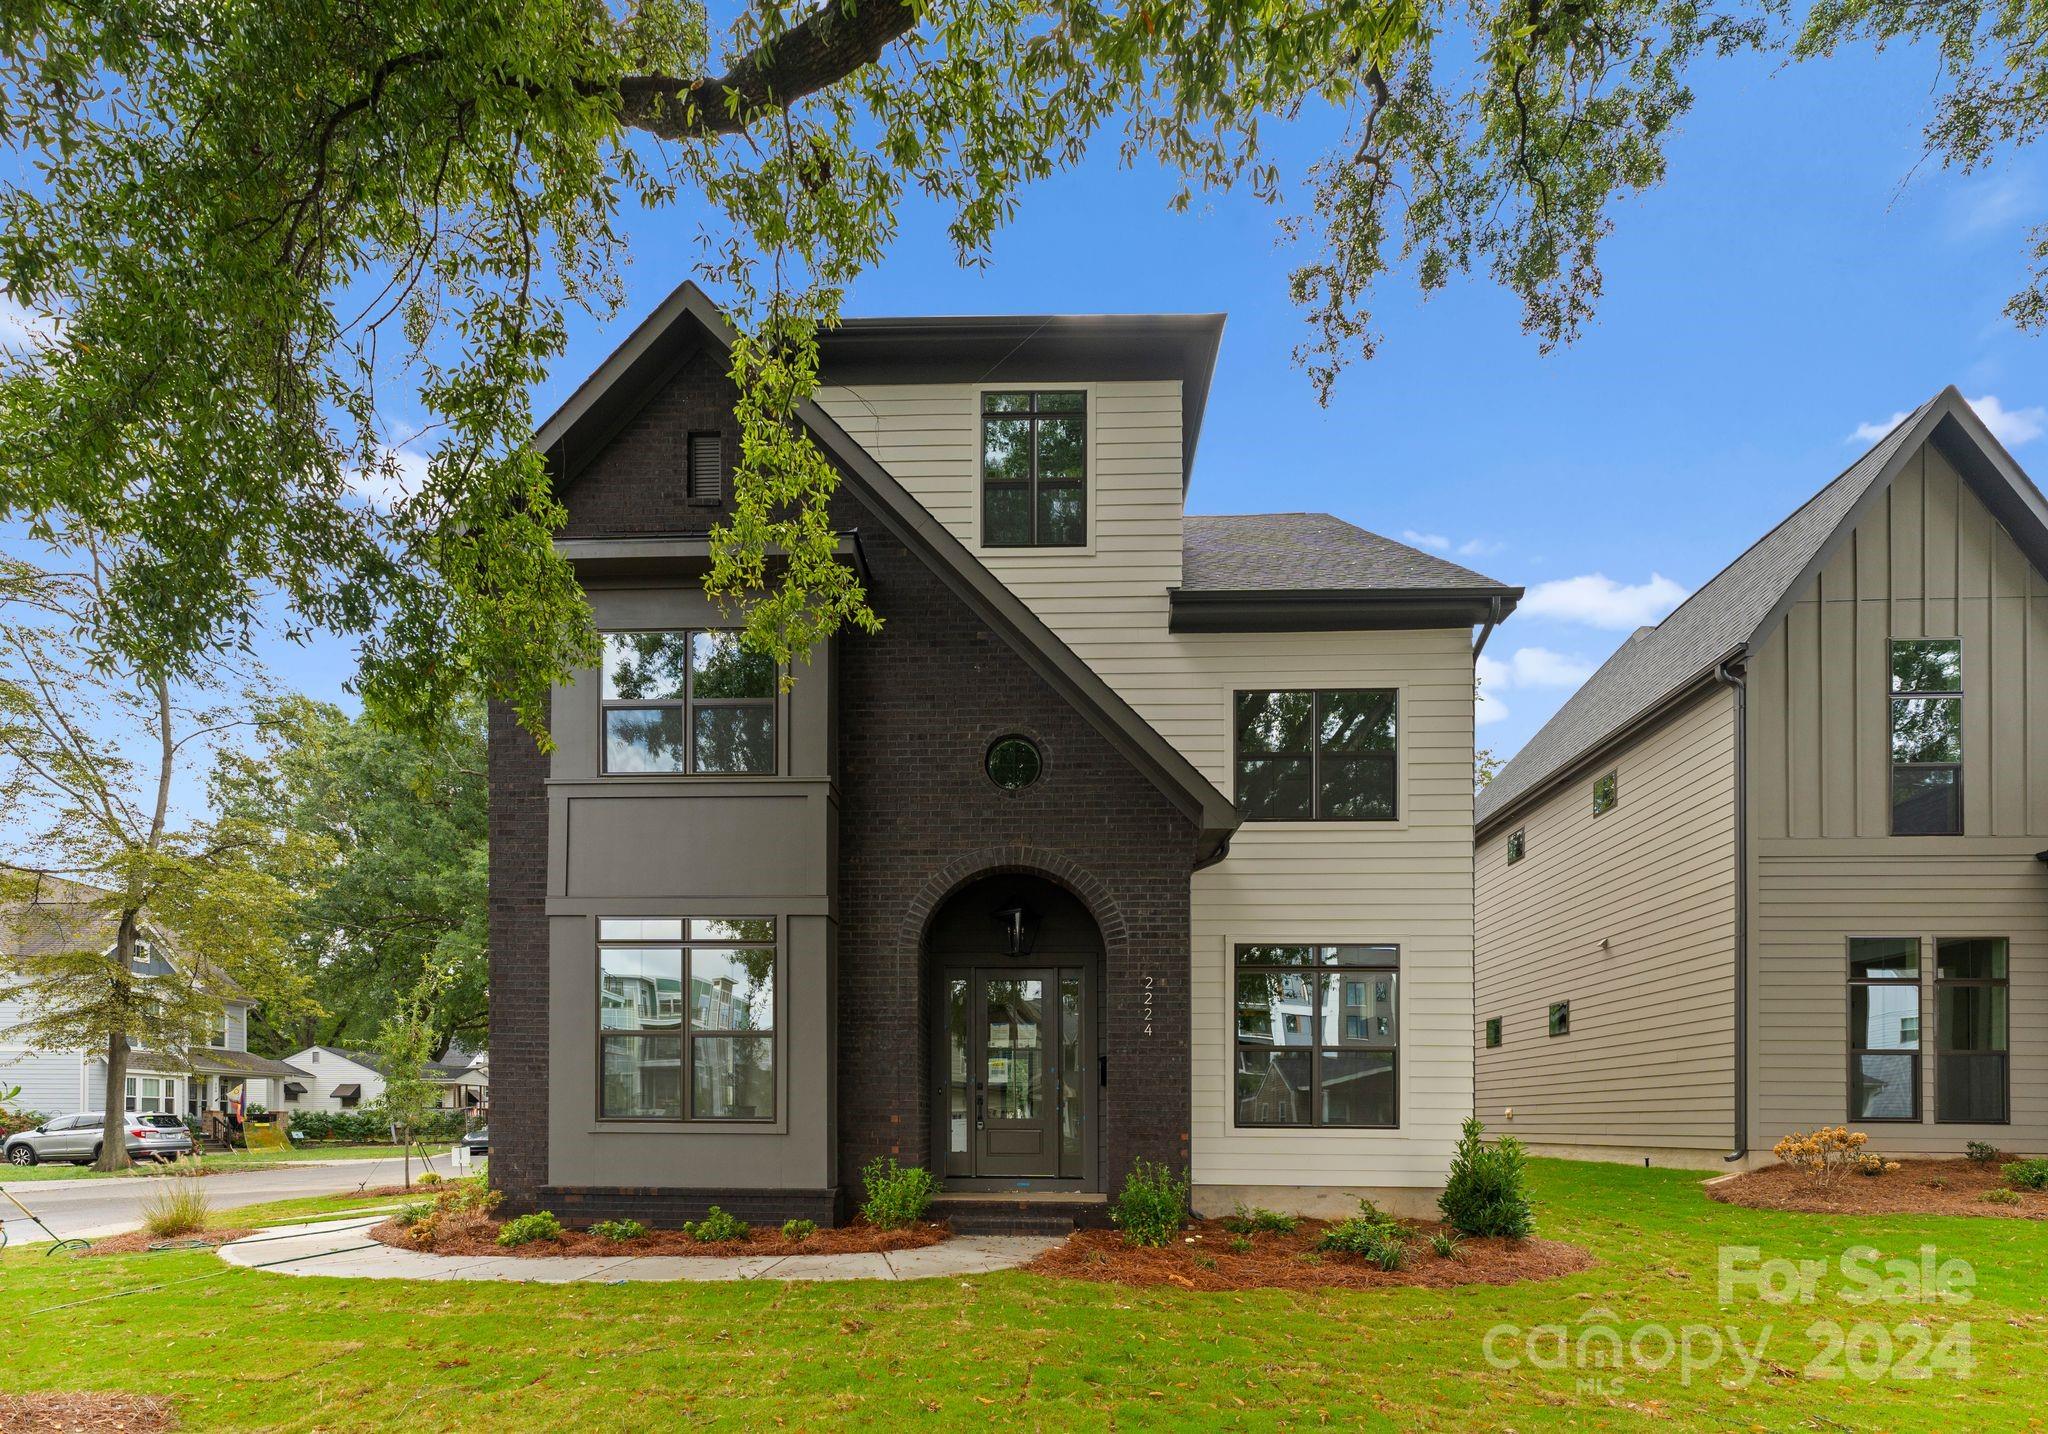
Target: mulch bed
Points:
(1201, 1259)
(137, 1242)
(66, 1413)
(1917, 1187)
(478, 1235)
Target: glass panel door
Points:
(1018, 1134)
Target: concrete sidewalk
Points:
(342, 1249)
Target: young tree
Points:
(258, 222)
(100, 870)
(404, 1050)
(405, 818)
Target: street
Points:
(92, 1208)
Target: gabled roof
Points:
(1274, 571)
(65, 915)
(1729, 616)
(608, 399)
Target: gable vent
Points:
(706, 482)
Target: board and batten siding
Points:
(1630, 917)
(1927, 560)
(1407, 883)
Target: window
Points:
(1971, 1066)
(1316, 756)
(1318, 1036)
(1013, 762)
(152, 1095)
(705, 481)
(145, 960)
(687, 702)
(1605, 793)
(1034, 470)
(1884, 1028)
(218, 1036)
(1561, 1018)
(1492, 1032)
(686, 1019)
(292, 1091)
(1517, 845)
(1927, 736)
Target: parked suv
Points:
(77, 1138)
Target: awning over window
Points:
(293, 1090)
(347, 1092)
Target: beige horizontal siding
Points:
(1649, 1062)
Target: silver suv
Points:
(78, 1138)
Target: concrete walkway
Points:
(343, 1249)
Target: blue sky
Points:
(1780, 291)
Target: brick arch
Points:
(1017, 860)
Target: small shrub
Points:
(618, 1231)
(1153, 1205)
(716, 1227)
(429, 1179)
(798, 1231)
(1240, 1244)
(2027, 1174)
(1207, 1262)
(898, 1195)
(178, 1209)
(1486, 1192)
(410, 1215)
(2001, 1196)
(1983, 1152)
(1824, 1155)
(421, 1234)
(469, 1196)
(1256, 1220)
(1444, 1243)
(525, 1229)
(1874, 1165)
(1371, 1234)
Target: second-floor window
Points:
(1034, 469)
(1927, 736)
(1317, 756)
(687, 701)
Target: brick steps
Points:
(1047, 1214)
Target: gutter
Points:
(1494, 614)
(1730, 674)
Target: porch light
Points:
(1020, 928)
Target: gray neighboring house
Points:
(1779, 863)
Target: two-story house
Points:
(223, 1077)
(1778, 864)
(1131, 834)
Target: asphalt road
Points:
(91, 1208)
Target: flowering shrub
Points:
(1874, 1165)
(1828, 1153)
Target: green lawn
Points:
(239, 1160)
(1021, 1351)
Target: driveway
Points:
(89, 1209)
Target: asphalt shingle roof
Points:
(1308, 552)
(1722, 616)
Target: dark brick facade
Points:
(919, 819)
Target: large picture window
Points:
(1972, 1071)
(686, 1019)
(1927, 736)
(151, 1095)
(687, 701)
(1318, 1036)
(1317, 756)
(1884, 1028)
(1034, 469)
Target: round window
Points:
(1013, 762)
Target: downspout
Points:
(1730, 673)
(1493, 608)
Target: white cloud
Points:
(1490, 709)
(2010, 426)
(402, 473)
(1597, 600)
(1436, 541)
(1540, 667)
(1478, 548)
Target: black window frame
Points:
(1323, 966)
(1518, 839)
(1611, 780)
(1033, 415)
(689, 705)
(686, 1032)
(1559, 1019)
(1895, 695)
(1494, 1035)
(1916, 1054)
(1314, 754)
(1941, 1049)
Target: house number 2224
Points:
(1148, 1005)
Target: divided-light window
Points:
(1317, 756)
(1927, 736)
(1884, 1028)
(686, 1019)
(1034, 469)
(1606, 792)
(686, 701)
(1518, 845)
(1318, 1036)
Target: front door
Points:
(1014, 1103)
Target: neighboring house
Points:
(338, 1080)
(1775, 865)
(222, 1077)
(1130, 835)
